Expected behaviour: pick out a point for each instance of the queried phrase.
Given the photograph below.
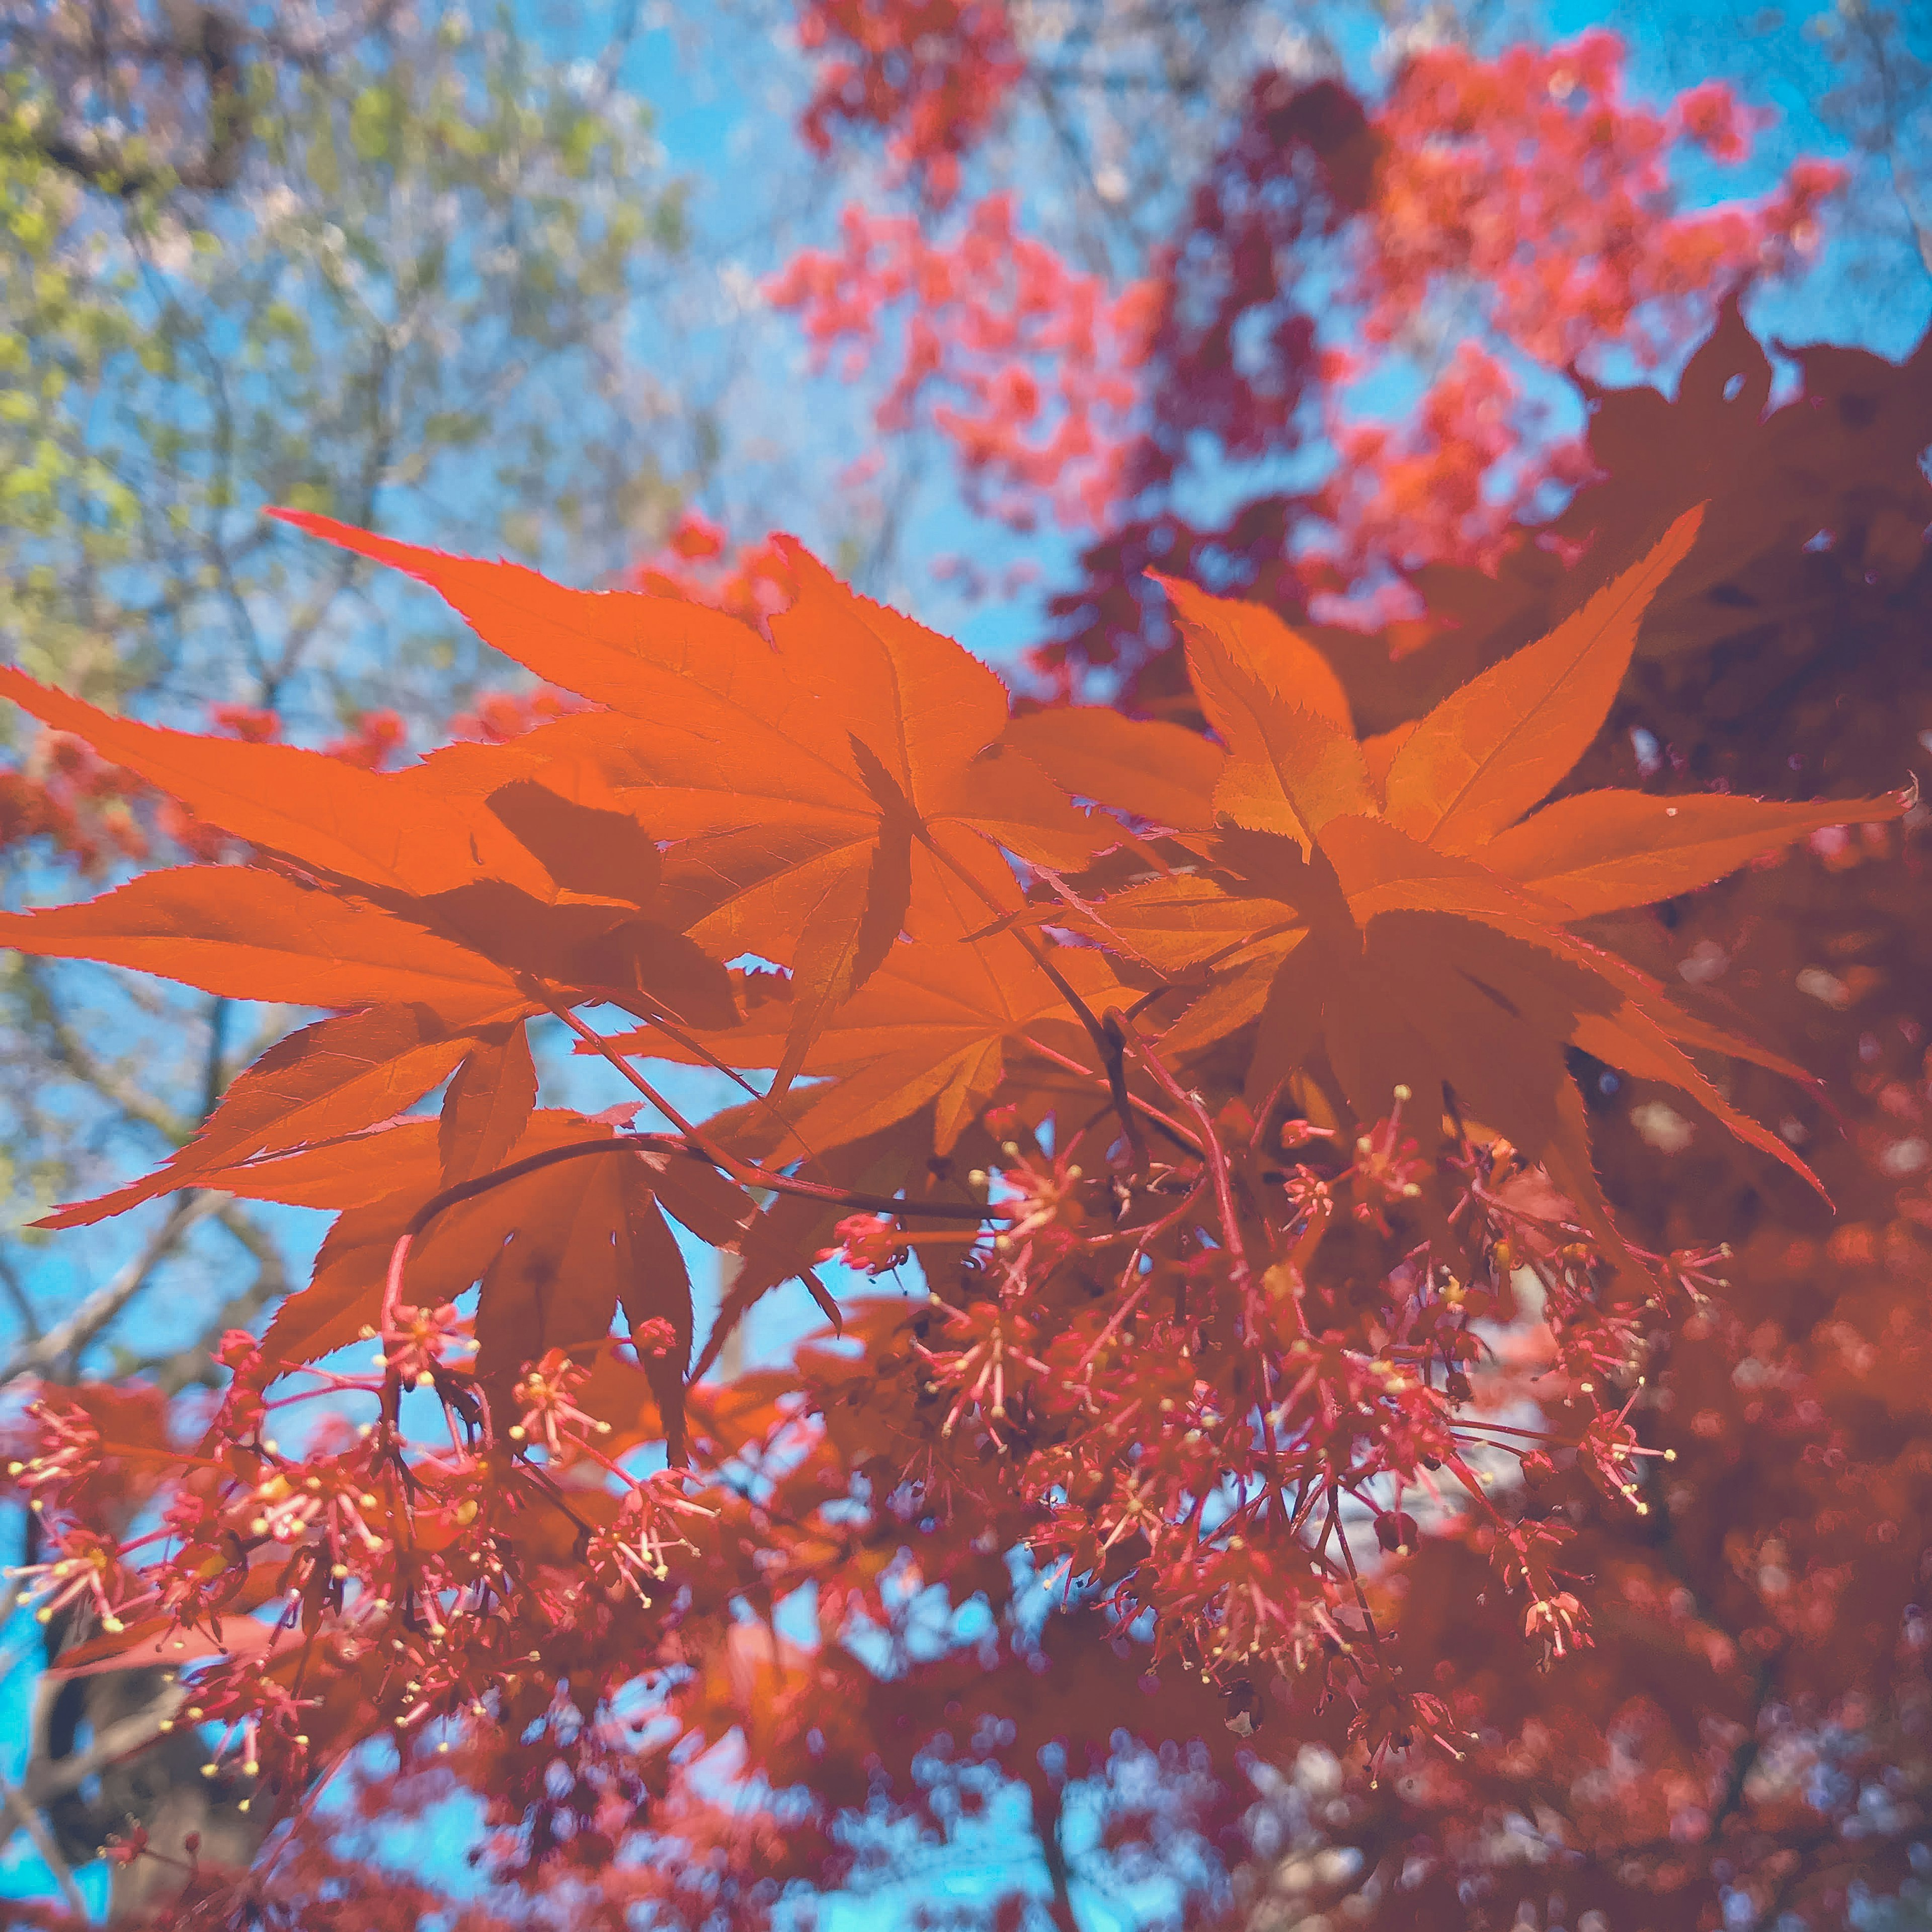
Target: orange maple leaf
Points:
(795, 779)
(1390, 903)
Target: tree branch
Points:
(27, 1819)
(171, 1373)
(73, 1053)
(100, 1308)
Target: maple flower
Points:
(872, 1243)
(88, 1570)
(420, 1346)
(1560, 1620)
(1390, 1720)
(992, 1361)
(1386, 1171)
(1046, 1195)
(635, 1550)
(68, 1454)
(548, 1413)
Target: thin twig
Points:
(28, 1819)
(50, 1778)
(673, 1144)
(778, 1183)
(100, 1308)
(30, 1324)
(174, 1372)
(74, 1054)
(1107, 1043)
(1212, 1151)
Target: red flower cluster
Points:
(1526, 187)
(698, 562)
(1450, 484)
(1528, 181)
(454, 1587)
(930, 74)
(62, 792)
(1025, 365)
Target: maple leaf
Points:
(333, 819)
(938, 1025)
(1278, 706)
(1155, 771)
(1384, 903)
(779, 1243)
(1601, 851)
(591, 1239)
(538, 882)
(488, 1105)
(318, 1085)
(590, 932)
(247, 933)
(557, 1250)
(794, 779)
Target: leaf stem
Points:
(1212, 1151)
(649, 1144)
(1104, 1041)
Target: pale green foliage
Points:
(410, 302)
(391, 268)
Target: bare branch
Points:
(27, 1819)
(73, 1053)
(187, 1213)
(55, 1778)
(171, 1373)
(10, 1281)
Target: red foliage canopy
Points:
(1225, 1089)
(1383, 1345)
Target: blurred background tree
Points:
(371, 259)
